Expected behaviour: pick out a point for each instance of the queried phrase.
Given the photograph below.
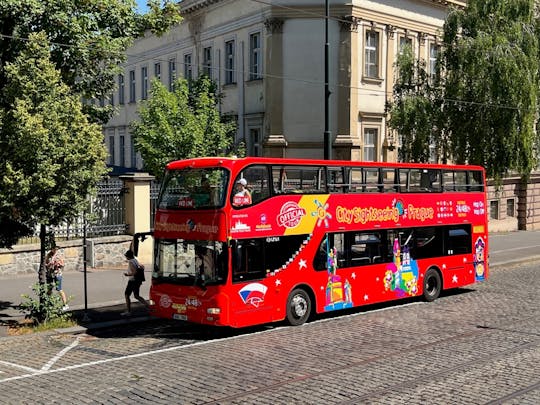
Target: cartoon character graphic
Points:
(401, 276)
(480, 259)
(338, 293)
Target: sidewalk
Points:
(105, 288)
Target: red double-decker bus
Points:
(248, 241)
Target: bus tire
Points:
(432, 285)
(298, 307)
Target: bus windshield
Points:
(194, 188)
(191, 262)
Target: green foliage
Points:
(181, 124)
(413, 111)
(483, 108)
(491, 60)
(87, 39)
(44, 306)
(51, 156)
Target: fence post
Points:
(137, 200)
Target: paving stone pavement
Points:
(477, 345)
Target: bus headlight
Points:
(213, 311)
(151, 303)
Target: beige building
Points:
(268, 59)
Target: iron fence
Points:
(154, 193)
(106, 216)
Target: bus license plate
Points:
(180, 317)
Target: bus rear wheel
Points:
(432, 285)
(298, 307)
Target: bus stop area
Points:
(105, 287)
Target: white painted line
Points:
(174, 348)
(516, 248)
(30, 369)
(51, 362)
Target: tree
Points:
(86, 43)
(181, 124)
(51, 156)
(88, 39)
(485, 109)
(414, 109)
(491, 56)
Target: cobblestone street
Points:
(471, 346)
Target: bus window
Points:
(299, 179)
(331, 251)
(356, 180)
(366, 248)
(476, 181)
(254, 258)
(256, 189)
(190, 262)
(371, 180)
(428, 242)
(336, 180)
(193, 188)
(388, 180)
(459, 240)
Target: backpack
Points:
(139, 273)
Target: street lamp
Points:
(327, 135)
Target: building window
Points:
(188, 68)
(144, 82)
(112, 150)
(132, 86)
(403, 42)
(207, 61)
(510, 207)
(157, 71)
(433, 54)
(229, 62)
(255, 142)
(122, 150)
(255, 66)
(121, 90)
(433, 158)
(172, 73)
(133, 154)
(370, 144)
(371, 68)
(494, 209)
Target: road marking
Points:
(516, 248)
(61, 353)
(165, 350)
(30, 369)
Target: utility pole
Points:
(327, 135)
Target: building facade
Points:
(269, 62)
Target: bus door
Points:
(251, 300)
(264, 271)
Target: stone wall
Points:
(108, 252)
(514, 206)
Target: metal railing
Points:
(106, 216)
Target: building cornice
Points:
(190, 6)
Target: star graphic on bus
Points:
(322, 214)
(302, 264)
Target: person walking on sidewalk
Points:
(54, 264)
(134, 282)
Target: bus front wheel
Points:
(432, 285)
(298, 307)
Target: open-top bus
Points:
(311, 236)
